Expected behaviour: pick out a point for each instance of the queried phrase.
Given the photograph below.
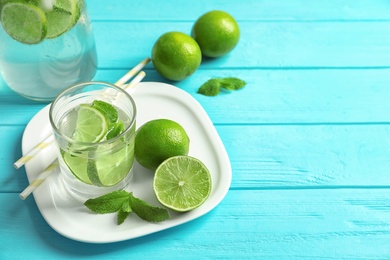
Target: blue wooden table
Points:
(308, 137)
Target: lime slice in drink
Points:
(61, 16)
(78, 166)
(182, 183)
(91, 125)
(24, 22)
(111, 169)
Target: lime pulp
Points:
(182, 183)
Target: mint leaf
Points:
(232, 83)
(124, 203)
(108, 203)
(107, 110)
(211, 87)
(148, 212)
(123, 212)
(115, 130)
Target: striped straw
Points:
(135, 81)
(39, 147)
(49, 139)
(54, 165)
(132, 72)
(38, 181)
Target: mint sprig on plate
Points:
(124, 203)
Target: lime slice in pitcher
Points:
(24, 22)
(61, 16)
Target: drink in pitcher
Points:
(54, 50)
(94, 127)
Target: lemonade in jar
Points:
(46, 46)
(94, 128)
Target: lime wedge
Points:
(182, 183)
(91, 125)
(24, 22)
(62, 16)
(111, 169)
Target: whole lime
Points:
(216, 32)
(176, 55)
(158, 140)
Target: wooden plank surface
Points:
(308, 137)
(247, 10)
(352, 223)
(276, 45)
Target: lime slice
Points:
(182, 183)
(61, 16)
(24, 22)
(91, 125)
(78, 166)
(111, 169)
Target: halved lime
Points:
(91, 125)
(24, 22)
(111, 169)
(182, 183)
(62, 16)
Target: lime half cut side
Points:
(182, 183)
(62, 16)
(24, 22)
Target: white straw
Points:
(41, 178)
(39, 147)
(132, 72)
(135, 81)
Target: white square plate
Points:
(69, 217)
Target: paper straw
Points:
(49, 139)
(132, 72)
(135, 81)
(38, 181)
(39, 147)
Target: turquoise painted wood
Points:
(308, 137)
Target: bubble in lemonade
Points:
(54, 50)
(101, 150)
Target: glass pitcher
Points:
(45, 46)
